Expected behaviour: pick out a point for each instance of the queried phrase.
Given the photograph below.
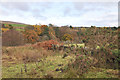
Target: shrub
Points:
(30, 36)
(82, 64)
(3, 25)
(57, 32)
(12, 38)
(9, 26)
(29, 27)
(4, 29)
(116, 53)
(52, 33)
(67, 37)
(71, 27)
(38, 29)
(45, 31)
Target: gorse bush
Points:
(12, 38)
(38, 29)
(67, 37)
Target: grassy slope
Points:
(20, 30)
(17, 25)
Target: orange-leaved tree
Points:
(42, 26)
(30, 36)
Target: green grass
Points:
(100, 73)
(20, 30)
(49, 65)
(17, 25)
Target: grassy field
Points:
(20, 30)
(44, 64)
(17, 25)
(41, 69)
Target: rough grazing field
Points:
(46, 65)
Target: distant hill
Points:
(11, 22)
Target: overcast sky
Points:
(61, 13)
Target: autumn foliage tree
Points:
(42, 26)
(30, 36)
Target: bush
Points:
(45, 32)
(3, 26)
(38, 29)
(67, 37)
(82, 64)
(30, 36)
(29, 27)
(116, 53)
(12, 38)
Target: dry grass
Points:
(24, 54)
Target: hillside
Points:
(11, 22)
(16, 25)
(42, 51)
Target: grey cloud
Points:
(23, 6)
(105, 20)
(14, 8)
(42, 5)
(85, 7)
(71, 11)
(92, 6)
(78, 5)
(39, 16)
(34, 9)
(67, 11)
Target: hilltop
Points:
(12, 22)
